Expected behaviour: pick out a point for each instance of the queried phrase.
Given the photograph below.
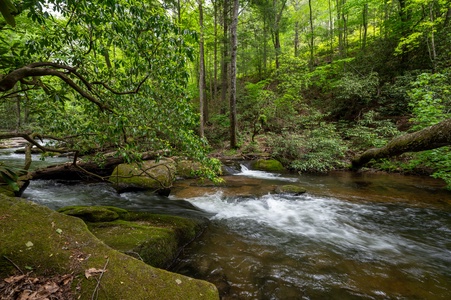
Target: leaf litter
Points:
(28, 287)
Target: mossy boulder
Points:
(155, 239)
(147, 175)
(95, 213)
(6, 189)
(47, 243)
(187, 168)
(290, 189)
(269, 165)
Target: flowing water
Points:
(352, 236)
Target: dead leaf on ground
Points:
(13, 279)
(93, 271)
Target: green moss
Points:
(187, 168)
(270, 165)
(290, 189)
(155, 246)
(6, 190)
(148, 175)
(95, 213)
(62, 244)
(155, 239)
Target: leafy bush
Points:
(315, 150)
(393, 99)
(371, 132)
(430, 99)
(219, 130)
(431, 103)
(354, 92)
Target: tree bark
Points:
(432, 137)
(201, 71)
(312, 38)
(224, 59)
(234, 45)
(365, 25)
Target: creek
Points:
(351, 236)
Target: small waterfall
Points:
(245, 171)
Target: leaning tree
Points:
(96, 76)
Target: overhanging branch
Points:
(46, 69)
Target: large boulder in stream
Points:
(156, 239)
(156, 175)
(60, 254)
(290, 189)
(269, 165)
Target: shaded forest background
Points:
(312, 83)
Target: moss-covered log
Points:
(432, 137)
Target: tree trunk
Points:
(201, 72)
(234, 42)
(312, 38)
(296, 39)
(432, 137)
(365, 25)
(431, 47)
(340, 29)
(224, 60)
(331, 32)
(215, 51)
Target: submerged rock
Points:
(49, 243)
(290, 189)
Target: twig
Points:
(95, 294)
(17, 267)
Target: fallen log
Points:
(432, 137)
(86, 171)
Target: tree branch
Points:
(122, 93)
(9, 81)
(31, 139)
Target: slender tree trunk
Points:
(331, 32)
(233, 72)
(215, 50)
(19, 113)
(345, 31)
(276, 29)
(312, 37)
(265, 46)
(448, 17)
(201, 70)
(225, 53)
(340, 28)
(365, 25)
(296, 39)
(432, 50)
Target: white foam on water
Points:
(263, 175)
(318, 219)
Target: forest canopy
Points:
(313, 83)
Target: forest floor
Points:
(30, 287)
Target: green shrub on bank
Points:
(370, 132)
(314, 150)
